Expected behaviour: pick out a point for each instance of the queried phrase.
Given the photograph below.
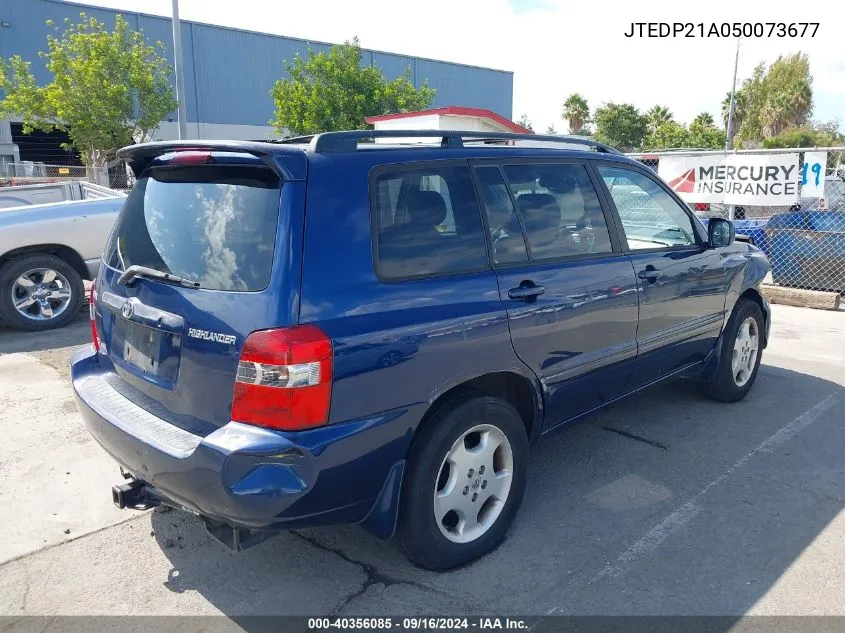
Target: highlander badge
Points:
(217, 337)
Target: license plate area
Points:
(146, 351)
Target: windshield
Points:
(215, 225)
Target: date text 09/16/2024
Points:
(722, 29)
(415, 623)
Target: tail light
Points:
(92, 314)
(284, 379)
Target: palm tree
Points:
(551, 130)
(802, 103)
(705, 119)
(776, 114)
(576, 112)
(657, 116)
(739, 112)
(787, 98)
(787, 109)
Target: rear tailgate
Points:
(227, 222)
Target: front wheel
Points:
(464, 482)
(742, 347)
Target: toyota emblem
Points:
(128, 309)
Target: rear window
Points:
(427, 223)
(211, 224)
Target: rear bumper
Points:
(247, 476)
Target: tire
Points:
(728, 384)
(422, 535)
(63, 295)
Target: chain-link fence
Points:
(115, 175)
(797, 217)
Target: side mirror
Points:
(720, 232)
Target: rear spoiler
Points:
(293, 167)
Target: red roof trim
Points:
(454, 111)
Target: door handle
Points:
(650, 274)
(526, 292)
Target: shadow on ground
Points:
(668, 504)
(77, 332)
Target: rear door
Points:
(570, 293)
(226, 223)
(682, 283)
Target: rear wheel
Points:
(39, 292)
(742, 347)
(464, 483)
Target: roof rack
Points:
(334, 142)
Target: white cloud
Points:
(556, 47)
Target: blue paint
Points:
(597, 333)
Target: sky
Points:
(555, 47)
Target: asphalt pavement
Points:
(667, 504)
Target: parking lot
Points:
(667, 504)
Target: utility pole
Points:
(729, 135)
(728, 138)
(180, 80)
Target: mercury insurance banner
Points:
(745, 179)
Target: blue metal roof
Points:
(229, 72)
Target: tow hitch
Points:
(139, 495)
(136, 495)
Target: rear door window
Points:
(427, 222)
(211, 224)
(559, 209)
(505, 233)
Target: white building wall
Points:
(470, 124)
(436, 122)
(425, 122)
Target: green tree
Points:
(551, 130)
(773, 99)
(620, 125)
(332, 91)
(668, 135)
(704, 119)
(705, 136)
(108, 88)
(819, 135)
(673, 135)
(525, 122)
(576, 112)
(739, 111)
(789, 94)
(753, 96)
(657, 116)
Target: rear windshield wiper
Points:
(142, 271)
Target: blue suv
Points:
(357, 328)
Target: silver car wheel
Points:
(746, 346)
(473, 483)
(41, 294)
